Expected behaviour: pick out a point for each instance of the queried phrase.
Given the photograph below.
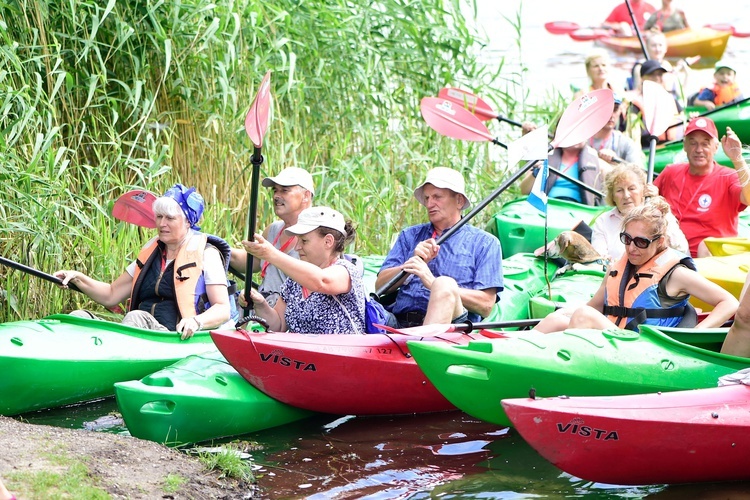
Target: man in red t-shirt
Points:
(620, 21)
(705, 197)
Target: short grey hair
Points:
(168, 207)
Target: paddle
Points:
(475, 104)
(36, 272)
(637, 30)
(136, 207)
(458, 123)
(256, 123)
(581, 119)
(656, 101)
(589, 34)
(728, 27)
(433, 330)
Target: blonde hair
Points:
(596, 54)
(653, 214)
(618, 173)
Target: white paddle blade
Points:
(659, 108)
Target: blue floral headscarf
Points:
(190, 202)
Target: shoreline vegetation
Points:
(103, 97)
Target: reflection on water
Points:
(446, 455)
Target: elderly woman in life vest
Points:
(178, 282)
(651, 283)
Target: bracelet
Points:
(197, 322)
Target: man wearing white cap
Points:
(293, 191)
(456, 281)
(705, 197)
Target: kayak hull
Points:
(691, 436)
(477, 376)
(62, 359)
(341, 374)
(689, 42)
(196, 399)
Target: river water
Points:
(451, 455)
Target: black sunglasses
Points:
(639, 242)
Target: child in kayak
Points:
(724, 91)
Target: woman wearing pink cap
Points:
(324, 292)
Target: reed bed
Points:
(98, 98)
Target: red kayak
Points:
(701, 435)
(341, 374)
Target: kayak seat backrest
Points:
(690, 318)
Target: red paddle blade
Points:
(721, 27)
(136, 207)
(588, 34)
(659, 108)
(583, 118)
(470, 101)
(451, 120)
(256, 121)
(561, 27)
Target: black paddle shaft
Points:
(256, 160)
(36, 272)
(637, 29)
(465, 219)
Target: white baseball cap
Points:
(314, 217)
(292, 176)
(444, 178)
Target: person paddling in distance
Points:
(620, 21)
(179, 280)
(668, 18)
(323, 292)
(458, 280)
(650, 284)
(293, 190)
(705, 197)
(626, 188)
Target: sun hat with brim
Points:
(312, 218)
(723, 64)
(292, 176)
(443, 178)
(190, 201)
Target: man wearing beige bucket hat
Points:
(456, 281)
(293, 191)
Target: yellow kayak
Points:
(704, 42)
(727, 271)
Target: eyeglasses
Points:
(638, 241)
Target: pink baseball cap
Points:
(701, 123)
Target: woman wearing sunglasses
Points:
(651, 283)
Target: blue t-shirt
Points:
(471, 256)
(563, 188)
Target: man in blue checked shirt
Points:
(459, 280)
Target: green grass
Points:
(173, 483)
(228, 463)
(72, 483)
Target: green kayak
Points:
(734, 115)
(570, 289)
(477, 376)
(197, 399)
(62, 359)
(523, 278)
(520, 227)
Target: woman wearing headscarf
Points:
(178, 282)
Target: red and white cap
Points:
(703, 124)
